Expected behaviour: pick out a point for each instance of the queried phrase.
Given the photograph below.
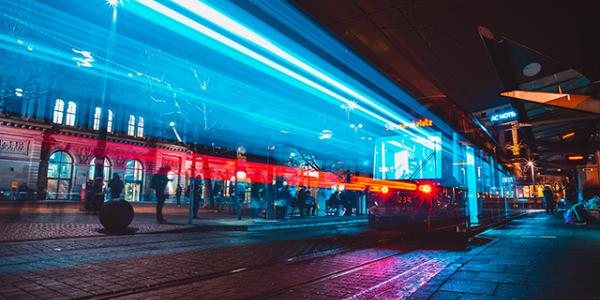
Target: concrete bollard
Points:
(116, 215)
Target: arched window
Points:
(134, 175)
(109, 127)
(59, 111)
(107, 169)
(107, 173)
(71, 110)
(131, 126)
(97, 116)
(140, 128)
(60, 168)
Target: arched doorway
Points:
(134, 174)
(107, 173)
(60, 169)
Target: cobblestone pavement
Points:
(531, 258)
(38, 221)
(83, 267)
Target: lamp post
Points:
(99, 151)
(532, 167)
(193, 181)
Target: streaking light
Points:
(114, 3)
(216, 17)
(232, 26)
(85, 60)
(325, 134)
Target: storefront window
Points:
(107, 169)
(60, 167)
(134, 173)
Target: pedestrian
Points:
(255, 200)
(302, 196)
(197, 196)
(116, 186)
(89, 193)
(178, 191)
(280, 203)
(159, 183)
(549, 200)
(334, 202)
(571, 194)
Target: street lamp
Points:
(532, 167)
(172, 125)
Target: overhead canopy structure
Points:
(558, 107)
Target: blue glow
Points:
(402, 157)
(224, 74)
(472, 203)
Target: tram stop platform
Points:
(533, 257)
(46, 220)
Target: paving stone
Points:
(472, 287)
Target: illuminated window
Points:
(140, 128)
(71, 110)
(107, 174)
(59, 110)
(97, 115)
(60, 167)
(107, 170)
(110, 121)
(131, 126)
(134, 175)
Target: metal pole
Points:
(192, 195)
(533, 181)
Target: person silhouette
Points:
(159, 183)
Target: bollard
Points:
(116, 215)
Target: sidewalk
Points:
(46, 220)
(534, 257)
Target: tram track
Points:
(339, 273)
(238, 269)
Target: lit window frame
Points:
(59, 111)
(97, 118)
(131, 126)
(109, 125)
(140, 127)
(70, 116)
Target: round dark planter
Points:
(116, 215)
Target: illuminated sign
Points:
(503, 116)
(418, 123)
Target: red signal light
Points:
(425, 188)
(385, 189)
